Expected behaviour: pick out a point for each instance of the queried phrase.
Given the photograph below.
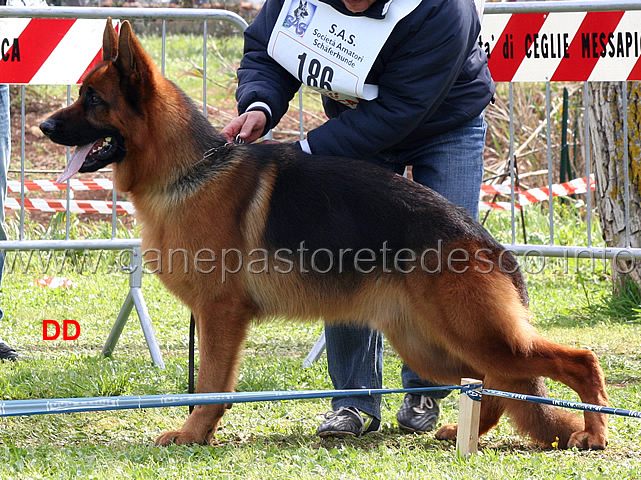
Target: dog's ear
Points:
(130, 52)
(109, 42)
(135, 68)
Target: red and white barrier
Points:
(563, 46)
(47, 51)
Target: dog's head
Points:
(110, 97)
(301, 11)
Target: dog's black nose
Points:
(48, 126)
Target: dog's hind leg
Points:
(579, 370)
(547, 425)
(489, 330)
(221, 331)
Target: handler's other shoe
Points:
(418, 413)
(348, 422)
(7, 353)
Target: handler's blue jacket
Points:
(426, 87)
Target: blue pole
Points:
(89, 404)
(563, 403)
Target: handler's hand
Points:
(249, 126)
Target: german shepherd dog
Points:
(338, 239)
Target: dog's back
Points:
(374, 221)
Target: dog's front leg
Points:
(221, 332)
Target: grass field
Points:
(276, 440)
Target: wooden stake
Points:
(467, 435)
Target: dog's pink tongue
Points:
(75, 162)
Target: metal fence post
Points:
(135, 299)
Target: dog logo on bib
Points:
(299, 16)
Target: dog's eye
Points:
(94, 99)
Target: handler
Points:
(404, 82)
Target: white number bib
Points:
(331, 52)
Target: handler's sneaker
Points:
(348, 421)
(7, 353)
(418, 413)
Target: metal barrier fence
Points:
(134, 297)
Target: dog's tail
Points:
(548, 426)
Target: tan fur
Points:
(445, 326)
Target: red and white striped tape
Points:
(523, 197)
(578, 185)
(78, 185)
(563, 46)
(75, 206)
(48, 51)
(534, 195)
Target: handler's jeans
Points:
(451, 164)
(5, 153)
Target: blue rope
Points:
(12, 408)
(561, 403)
(89, 404)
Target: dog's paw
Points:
(178, 437)
(587, 440)
(447, 432)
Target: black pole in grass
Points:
(192, 355)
